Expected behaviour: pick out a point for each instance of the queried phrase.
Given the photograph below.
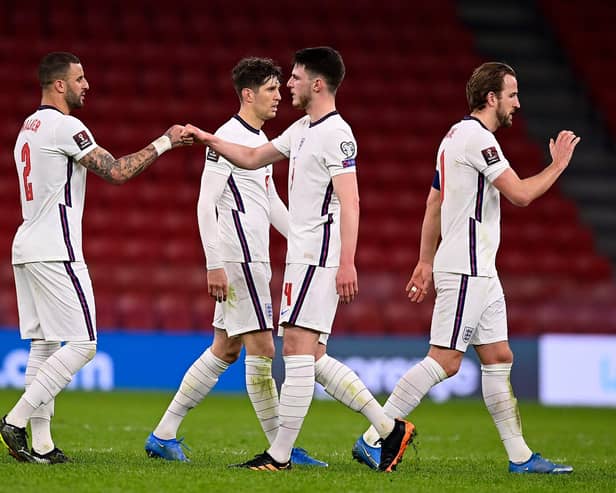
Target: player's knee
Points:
(298, 340)
(451, 367)
(502, 356)
(449, 360)
(267, 350)
(450, 363)
(321, 351)
(227, 349)
(260, 344)
(229, 354)
(506, 356)
(231, 357)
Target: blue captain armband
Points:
(436, 182)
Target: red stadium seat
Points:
(107, 316)
(360, 318)
(8, 308)
(203, 311)
(136, 311)
(174, 312)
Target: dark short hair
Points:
(486, 78)
(54, 66)
(323, 61)
(253, 72)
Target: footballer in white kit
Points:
(317, 152)
(460, 235)
(469, 159)
(54, 291)
(246, 202)
(55, 302)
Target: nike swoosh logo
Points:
(284, 312)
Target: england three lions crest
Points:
(468, 333)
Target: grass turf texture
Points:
(458, 449)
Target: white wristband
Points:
(162, 144)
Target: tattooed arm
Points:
(120, 170)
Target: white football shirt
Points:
(52, 186)
(469, 159)
(244, 206)
(317, 151)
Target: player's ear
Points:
(60, 86)
(492, 98)
(248, 95)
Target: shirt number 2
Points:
(25, 158)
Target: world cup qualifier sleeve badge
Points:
(212, 155)
(82, 139)
(490, 155)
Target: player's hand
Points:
(421, 281)
(196, 134)
(217, 284)
(175, 134)
(346, 283)
(562, 148)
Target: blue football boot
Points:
(300, 457)
(538, 465)
(166, 449)
(367, 454)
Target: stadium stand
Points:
(407, 64)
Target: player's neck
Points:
(249, 117)
(489, 120)
(56, 102)
(319, 107)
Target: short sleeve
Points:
(74, 139)
(282, 143)
(340, 152)
(485, 155)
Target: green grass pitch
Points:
(457, 449)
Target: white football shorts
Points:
(468, 310)
(55, 301)
(309, 299)
(249, 303)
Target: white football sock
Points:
(409, 391)
(263, 393)
(53, 375)
(196, 384)
(503, 406)
(345, 386)
(40, 422)
(295, 398)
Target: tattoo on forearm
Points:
(119, 170)
(135, 163)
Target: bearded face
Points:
(504, 115)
